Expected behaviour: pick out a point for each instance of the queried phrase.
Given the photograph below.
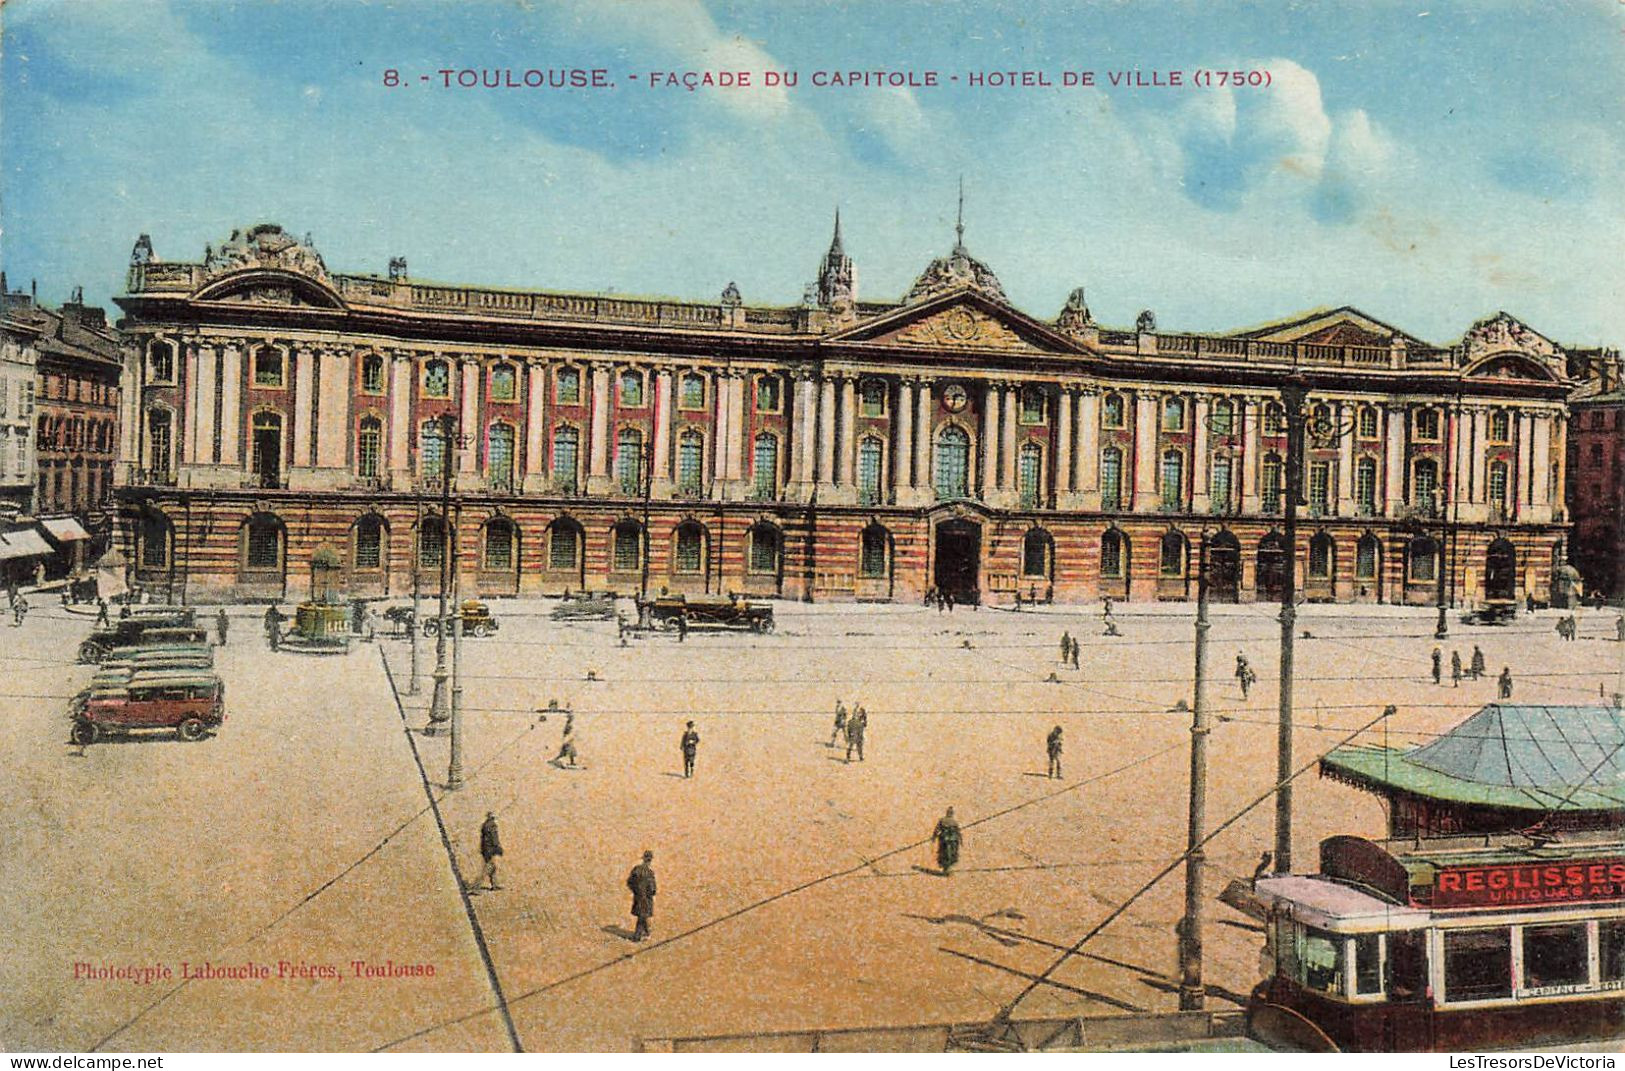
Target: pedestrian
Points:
(1244, 673)
(691, 747)
(490, 850)
(1438, 665)
(948, 599)
(1619, 629)
(101, 613)
(221, 624)
(19, 610)
(1455, 669)
(1066, 648)
(1562, 628)
(1108, 620)
(948, 837)
(567, 742)
(1529, 601)
(1506, 682)
(65, 600)
(1075, 646)
(1477, 662)
(682, 626)
(1052, 744)
(642, 884)
(840, 722)
(856, 726)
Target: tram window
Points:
(1367, 963)
(1554, 955)
(1407, 965)
(1477, 964)
(1320, 957)
(1611, 949)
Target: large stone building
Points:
(1596, 472)
(834, 449)
(19, 357)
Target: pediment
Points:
(1346, 326)
(1503, 332)
(965, 320)
(269, 287)
(1510, 364)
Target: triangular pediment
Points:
(965, 320)
(1345, 326)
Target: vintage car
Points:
(176, 656)
(1494, 612)
(476, 618)
(139, 629)
(585, 606)
(708, 611)
(188, 701)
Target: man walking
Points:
(641, 882)
(691, 747)
(856, 726)
(1506, 682)
(101, 613)
(567, 743)
(1075, 646)
(682, 626)
(1477, 665)
(1455, 669)
(1244, 673)
(19, 610)
(1053, 744)
(840, 722)
(490, 850)
(1438, 666)
(948, 838)
(1066, 648)
(221, 624)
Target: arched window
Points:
(267, 367)
(1425, 426)
(1173, 479)
(874, 558)
(1322, 556)
(437, 379)
(499, 450)
(431, 544)
(368, 447)
(1498, 484)
(161, 361)
(1365, 486)
(1037, 554)
(1173, 414)
(626, 549)
(372, 373)
(629, 461)
(1034, 402)
(1274, 419)
(1112, 411)
(567, 386)
(368, 552)
(1222, 418)
(1219, 484)
(1031, 475)
(1424, 484)
(764, 549)
(631, 389)
(1500, 426)
(688, 554)
(1423, 556)
(690, 462)
(504, 382)
(500, 541)
(765, 467)
(1111, 478)
(768, 394)
(1175, 548)
(691, 391)
(953, 463)
(1367, 557)
(155, 535)
(871, 454)
(262, 543)
(872, 398)
(1320, 488)
(159, 425)
(1113, 554)
(564, 545)
(1271, 479)
(431, 450)
(566, 452)
(1368, 422)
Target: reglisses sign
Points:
(1508, 884)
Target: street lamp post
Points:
(1192, 993)
(414, 686)
(1294, 392)
(439, 705)
(454, 769)
(648, 493)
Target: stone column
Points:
(1062, 464)
(826, 432)
(472, 428)
(598, 479)
(535, 426)
(333, 419)
(849, 431)
(1540, 476)
(1007, 437)
(719, 431)
(1347, 414)
(231, 404)
(203, 450)
(1560, 431)
(661, 476)
(804, 442)
(736, 426)
(1250, 414)
(1476, 462)
(1393, 457)
(1145, 452)
(1088, 464)
(1524, 486)
(922, 442)
(1201, 498)
(902, 452)
(990, 439)
(401, 427)
(304, 397)
(185, 451)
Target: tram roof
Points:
(1511, 756)
(1335, 905)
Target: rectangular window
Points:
(1555, 956)
(631, 390)
(1112, 411)
(767, 394)
(504, 383)
(690, 462)
(873, 398)
(1319, 958)
(1320, 487)
(1365, 485)
(1426, 425)
(1219, 485)
(1032, 406)
(872, 564)
(1477, 964)
(626, 550)
(1611, 949)
(567, 390)
(869, 455)
(1365, 560)
(1111, 479)
(565, 443)
(1367, 964)
(689, 546)
(561, 548)
(691, 392)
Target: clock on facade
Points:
(954, 398)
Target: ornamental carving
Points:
(264, 246)
(1502, 332)
(961, 326)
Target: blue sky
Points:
(1428, 162)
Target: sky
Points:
(1430, 163)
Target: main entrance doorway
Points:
(1271, 567)
(1500, 572)
(1224, 568)
(958, 560)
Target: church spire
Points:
(959, 223)
(837, 278)
(835, 246)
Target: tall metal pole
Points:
(648, 492)
(1192, 994)
(1294, 392)
(454, 770)
(439, 701)
(1441, 631)
(414, 685)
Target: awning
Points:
(64, 529)
(23, 544)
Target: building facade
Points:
(1596, 470)
(19, 357)
(76, 427)
(835, 449)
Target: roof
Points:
(1530, 758)
(25, 543)
(1323, 901)
(64, 529)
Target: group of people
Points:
(943, 600)
(1568, 627)
(852, 727)
(1069, 650)
(1473, 669)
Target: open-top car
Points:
(708, 611)
(476, 618)
(586, 606)
(137, 629)
(191, 702)
(1493, 612)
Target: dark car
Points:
(476, 617)
(134, 630)
(586, 606)
(1499, 612)
(710, 611)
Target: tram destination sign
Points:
(1504, 884)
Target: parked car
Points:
(140, 628)
(1497, 612)
(476, 617)
(586, 606)
(190, 702)
(713, 611)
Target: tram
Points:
(1445, 944)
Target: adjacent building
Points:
(1596, 471)
(19, 337)
(837, 448)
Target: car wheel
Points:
(482, 629)
(768, 626)
(85, 733)
(90, 652)
(190, 729)
(431, 628)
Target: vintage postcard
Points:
(723, 525)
